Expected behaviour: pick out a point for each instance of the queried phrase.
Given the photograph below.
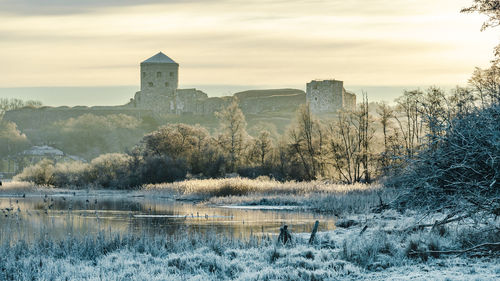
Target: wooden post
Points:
(284, 236)
(363, 230)
(313, 233)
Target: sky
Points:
(222, 46)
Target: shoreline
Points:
(372, 248)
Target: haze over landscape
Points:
(93, 47)
(250, 140)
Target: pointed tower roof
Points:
(159, 58)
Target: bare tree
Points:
(364, 135)
(344, 148)
(409, 120)
(306, 141)
(385, 113)
(349, 151)
(486, 84)
(490, 8)
(7, 104)
(11, 138)
(434, 114)
(264, 145)
(462, 101)
(233, 127)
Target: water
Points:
(85, 213)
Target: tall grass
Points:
(316, 195)
(18, 187)
(244, 186)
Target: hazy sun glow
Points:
(264, 42)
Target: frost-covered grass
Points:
(379, 253)
(18, 187)
(244, 186)
(317, 195)
(323, 202)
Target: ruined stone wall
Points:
(349, 100)
(211, 105)
(274, 103)
(153, 102)
(325, 98)
(189, 100)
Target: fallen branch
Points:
(451, 252)
(382, 206)
(446, 220)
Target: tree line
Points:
(361, 145)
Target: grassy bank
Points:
(244, 186)
(18, 187)
(317, 196)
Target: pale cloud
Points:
(62, 7)
(285, 7)
(260, 42)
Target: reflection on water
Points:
(88, 213)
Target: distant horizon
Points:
(121, 94)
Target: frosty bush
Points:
(462, 170)
(113, 170)
(71, 173)
(159, 169)
(110, 170)
(41, 173)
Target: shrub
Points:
(158, 169)
(110, 170)
(71, 173)
(415, 249)
(366, 252)
(42, 173)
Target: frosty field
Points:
(163, 234)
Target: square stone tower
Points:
(159, 76)
(328, 96)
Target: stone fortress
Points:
(160, 93)
(160, 98)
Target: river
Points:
(89, 212)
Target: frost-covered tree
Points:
(11, 139)
(486, 84)
(409, 120)
(233, 133)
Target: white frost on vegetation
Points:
(319, 196)
(379, 253)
